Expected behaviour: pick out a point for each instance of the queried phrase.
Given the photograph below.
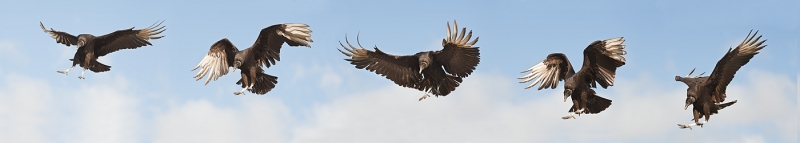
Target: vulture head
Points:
(689, 101)
(567, 93)
(237, 61)
(424, 60)
(568, 89)
(83, 39)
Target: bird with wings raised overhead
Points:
(264, 52)
(436, 72)
(90, 47)
(707, 93)
(600, 62)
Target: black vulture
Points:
(707, 93)
(265, 51)
(600, 62)
(423, 71)
(90, 47)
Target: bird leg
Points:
(81, 77)
(66, 72)
(572, 114)
(684, 126)
(243, 89)
(426, 95)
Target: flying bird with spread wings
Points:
(600, 62)
(436, 72)
(223, 55)
(707, 93)
(91, 47)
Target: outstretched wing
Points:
(217, 61)
(730, 63)
(268, 45)
(61, 37)
(458, 57)
(554, 68)
(127, 39)
(601, 60)
(403, 70)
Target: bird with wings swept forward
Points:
(707, 93)
(600, 62)
(264, 52)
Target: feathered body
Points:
(438, 72)
(264, 52)
(89, 47)
(707, 93)
(600, 62)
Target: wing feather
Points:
(402, 70)
(549, 72)
(217, 61)
(127, 39)
(601, 60)
(61, 37)
(733, 60)
(268, 45)
(458, 57)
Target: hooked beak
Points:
(689, 101)
(236, 65)
(80, 44)
(422, 67)
(567, 93)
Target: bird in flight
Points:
(600, 62)
(91, 47)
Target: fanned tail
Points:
(595, 104)
(264, 83)
(99, 67)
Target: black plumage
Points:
(707, 93)
(91, 47)
(600, 62)
(264, 52)
(438, 72)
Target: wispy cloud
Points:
(257, 120)
(24, 107)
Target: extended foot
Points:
(63, 72)
(81, 77)
(424, 96)
(238, 92)
(684, 126)
(568, 116)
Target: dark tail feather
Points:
(445, 86)
(99, 67)
(264, 83)
(726, 104)
(597, 104)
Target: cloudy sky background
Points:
(149, 95)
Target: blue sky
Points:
(150, 95)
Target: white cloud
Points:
(106, 113)
(24, 106)
(481, 110)
(326, 75)
(31, 112)
(257, 120)
(486, 108)
(9, 51)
